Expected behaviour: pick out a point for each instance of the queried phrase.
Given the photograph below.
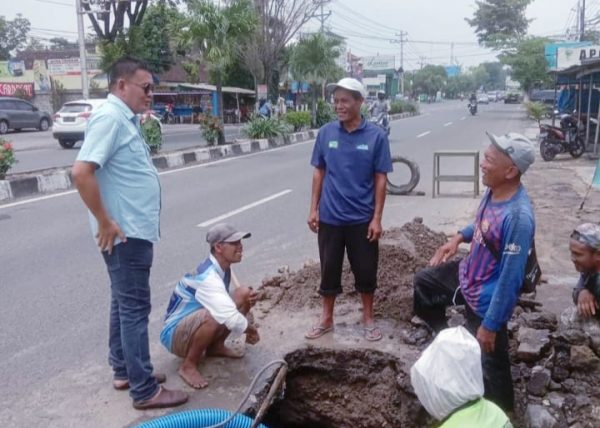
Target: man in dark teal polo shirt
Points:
(351, 158)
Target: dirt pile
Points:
(402, 251)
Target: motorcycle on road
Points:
(472, 108)
(383, 121)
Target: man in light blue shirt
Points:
(118, 183)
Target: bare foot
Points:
(192, 377)
(223, 351)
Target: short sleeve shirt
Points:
(128, 181)
(350, 161)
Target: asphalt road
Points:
(54, 294)
(37, 150)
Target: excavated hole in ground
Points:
(345, 388)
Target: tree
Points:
(34, 44)
(149, 41)
(60, 43)
(13, 35)
(313, 60)
(500, 23)
(107, 9)
(429, 80)
(279, 21)
(215, 33)
(528, 63)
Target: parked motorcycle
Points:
(383, 121)
(564, 139)
(472, 108)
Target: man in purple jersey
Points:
(488, 281)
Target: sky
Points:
(430, 26)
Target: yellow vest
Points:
(481, 414)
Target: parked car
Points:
(482, 99)
(71, 120)
(18, 114)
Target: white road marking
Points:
(172, 171)
(244, 208)
(448, 124)
(423, 134)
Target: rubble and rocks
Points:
(555, 362)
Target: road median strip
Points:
(57, 179)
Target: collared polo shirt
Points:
(350, 161)
(128, 180)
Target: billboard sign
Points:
(9, 89)
(379, 63)
(551, 53)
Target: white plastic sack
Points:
(449, 373)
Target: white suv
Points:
(70, 122)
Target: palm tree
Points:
(313, 61)
(216, 32)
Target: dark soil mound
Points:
(402, 251)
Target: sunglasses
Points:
(146, 87)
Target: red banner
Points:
(9, 89)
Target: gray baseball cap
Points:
(350, 84)
(588, 234)
(517, 147)
(224, 232)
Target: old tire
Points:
(415, 176)
(66, 144)
(44, 125)
(546, 150)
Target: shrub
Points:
(260, 127)
(211, 127)
(7, 157)
(325, 113)
(536, 110)
(401, 106)
(297, 119)
(151, 132)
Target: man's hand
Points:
(446, 251)
(586, 304)
(313, 221)
(252, 297)
(252, 336)
(107, 232)
(486, 339)
(374, 232)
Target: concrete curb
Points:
(57, 179)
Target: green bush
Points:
(298, 119)
(325, 113)
(535, 110)
(401, 106)
(151, 133)
(260, 127)
(211, 127)
(7, 157)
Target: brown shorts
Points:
(185, 330)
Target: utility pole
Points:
(322, 16)
(401, 40)
(82, 54)
(452, 53)
(582, 21)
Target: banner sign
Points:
(9, 89)
(567, 57)
(71, 66)
(378, 63)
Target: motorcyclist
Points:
(473, 98)
(380, 109)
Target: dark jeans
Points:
(129, 354)
(434, 290)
